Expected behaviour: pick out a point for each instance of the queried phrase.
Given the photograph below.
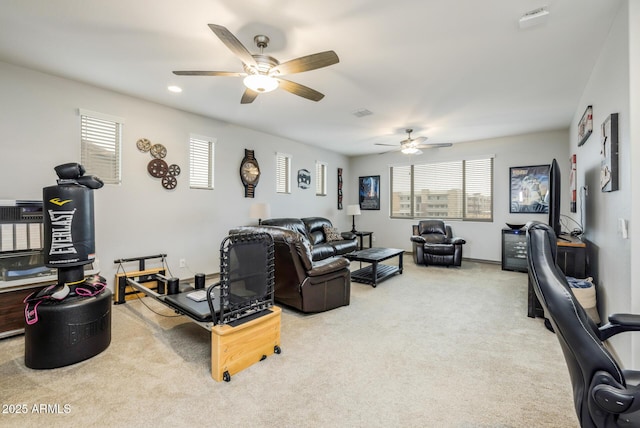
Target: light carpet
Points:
(433, 347)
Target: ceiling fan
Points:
(412, 146)
(262, 73)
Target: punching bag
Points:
(69, 237)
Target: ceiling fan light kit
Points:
(260, 83)
(411, 151)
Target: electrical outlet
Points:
(183, 263)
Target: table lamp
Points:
(260, 210)
(353, 210)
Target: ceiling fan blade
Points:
(249, 96)
(300, 90)
(306, 63)
(233, 44)
(383, 144)
(433, 146)
(209, 73)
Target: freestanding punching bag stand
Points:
(69, 321)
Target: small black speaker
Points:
(173, 286)
(199, 281)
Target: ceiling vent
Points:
(534, 17)
(362, 112)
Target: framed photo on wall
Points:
(585, 126)
(609, 154)
(369, 192)
(529, 189)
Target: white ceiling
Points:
(453, 70)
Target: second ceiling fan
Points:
(412, 146)
(262, 73)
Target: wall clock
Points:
(249, 173)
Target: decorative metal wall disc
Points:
(143, 145)
(174, 170)
(157, 168)
(169, 182)
(158, 151)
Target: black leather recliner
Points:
(434, 244)
(604, 394)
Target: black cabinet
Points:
(514, 250)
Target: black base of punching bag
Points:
(68, 331)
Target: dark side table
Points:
(361, 235)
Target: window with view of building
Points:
(447, 190)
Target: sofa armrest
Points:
(418, 239)
(458, 241)
(329, 265)
(348, 235)
(619, 323)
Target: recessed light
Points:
(176, 89)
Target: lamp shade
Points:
(353, 210)
(260, 210)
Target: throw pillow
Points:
(331, 233)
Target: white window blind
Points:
(437, 190)
(447, 190)
(100, 142)
(201, 157)
(478, 192)
(321, 179)
(283, 173)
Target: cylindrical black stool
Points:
(68, 331)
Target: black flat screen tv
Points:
(555, 189)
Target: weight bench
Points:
(238, 310)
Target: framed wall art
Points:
(585, 126)
(304, 178)
(609, 154)
(339, 188)
(369, 192)
(529, 189)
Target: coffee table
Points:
(376, 272)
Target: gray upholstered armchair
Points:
(434, 244)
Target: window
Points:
(283, 173)
(100, 142)
(201, 156)
(447, 190)
(321, 179)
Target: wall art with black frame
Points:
(609, 154)
(369, 192)
(529, 189)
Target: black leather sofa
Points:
(313, 228)
(300, 282)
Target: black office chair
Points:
(604, 394)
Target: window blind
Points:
(283, 173)
(321, 179)
(201, 157)
(100, 141)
